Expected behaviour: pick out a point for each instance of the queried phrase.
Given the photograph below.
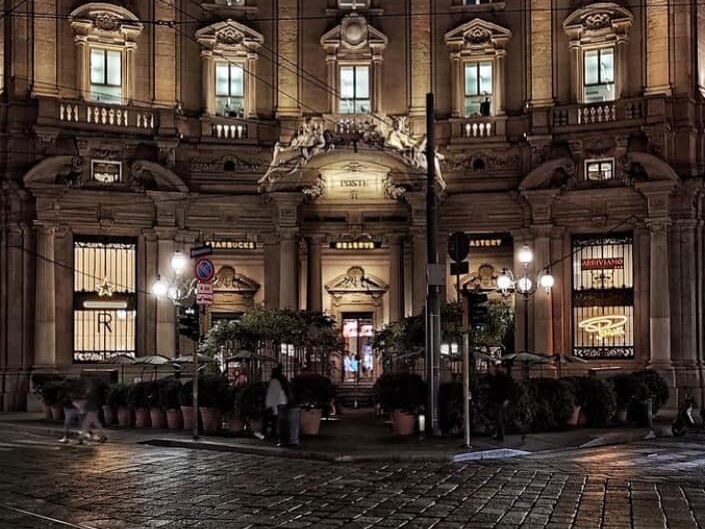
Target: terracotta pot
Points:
(310, 421)
(57, 412)
(156, 416)
(108, 415)
(187, 415)
(235, 423)
(173, 419)
(212, 419)
(47, 411)
(403, 423)
(141, 417)
(574, 418)
(621, 415)
(124, 416)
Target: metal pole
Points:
(201, 314)
(433, 302)
(526, 323)
(466, 390)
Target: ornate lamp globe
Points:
(524, 285)
(547, 281)
(179, 262)
(160, 287)
(504, 282)
(526, 256)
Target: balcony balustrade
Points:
(478, 128)
(226, 128)
(83, 112)
(598, 113)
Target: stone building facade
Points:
(289, 133)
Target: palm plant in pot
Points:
(250, 404)
(211, 396)
(313, 393)
(116, 398)
(137, 398)
(169, 389)
(402, 395)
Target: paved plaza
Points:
(653, 484)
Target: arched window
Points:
(105, 36)
(229, 53)
(598, 37)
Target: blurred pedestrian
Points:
(91, 420)
(275, 403)
(72, 413)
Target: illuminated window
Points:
(599, 170)
(354, 89)
(599, 75)
(105, 298)
(477, 2)
(603, 297)
(106, 75)
(353, 4)
(478, 88)
(229, 89)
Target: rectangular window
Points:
(599, 75)
(353, 4)
(478, 88)
(355, 90)
(599, 170)
(104, 298)
(477, 2)
(106, 75)
(603, 297)
(229, 89)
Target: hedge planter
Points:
(108, 415)
(142, 418)
(212, 419)
(311, 421)
(124, 416)
(173, 419)
(187, 415)
(156, 416)
(57, 412)
(403, 423)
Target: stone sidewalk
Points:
(359, 436)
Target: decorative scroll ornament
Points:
(312, 139)
(229, 36)
(107, 22)
(478, 35)
(595, 21)
(356, 281)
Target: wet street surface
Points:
(659, 483)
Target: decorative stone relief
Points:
(356, 281)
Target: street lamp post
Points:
(525, 285)
(180, 289)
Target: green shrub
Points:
(655, 387)
(311, 390)
(250, 400)
(596, 397)
(552, 403)
(400, 391)
(137, 395)
(491, 391)
(186, 394)
(450, 407)
(625, 387)
(169, 389)
(211, 391)
(117, 395)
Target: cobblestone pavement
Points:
(45, 485)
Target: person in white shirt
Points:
(275, 402)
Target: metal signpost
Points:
(205, 272)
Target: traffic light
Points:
(479, 309)
(188, 323)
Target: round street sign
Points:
(205, 270)
(458, 246)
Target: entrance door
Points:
(358, 334)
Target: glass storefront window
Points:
(105, 298)
(603, 297)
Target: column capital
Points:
(164, 233)
(659, 224)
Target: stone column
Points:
(288, 268)
(166, 313)
(207, 82)
(541, 53)
(251, 90)
(45, 60)
(420, 262)
(288, 85)
(146, 302)
(130, 73)
(315, 273)
(271, 272)
(543, 301)
(82, 63)
(687, 357)
(45, 301)
(658, 56)
(165, 51)
(396, 279)
(660, 296)
(420, 34)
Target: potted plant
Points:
(117, 400)
(625, 389)
(186, 405)
(250, 403)
(402, 395)
(39, 382)
(650, 394)
(313, 393)
(169, 389)
(596, 398)
(156, 414)
(211, 393)
(138, 400)
(232, 414)
(553, 404)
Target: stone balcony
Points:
(85, 114)
(479, 128)
(598, 114)
(228, 129)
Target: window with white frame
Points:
(229, 89)
(354, 83)
(599, 75)
(478, 88)
(599, 170)
(106, 75)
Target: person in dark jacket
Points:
(91, 421)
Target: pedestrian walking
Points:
(72, 413)
(275, 404)
(91, 420)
